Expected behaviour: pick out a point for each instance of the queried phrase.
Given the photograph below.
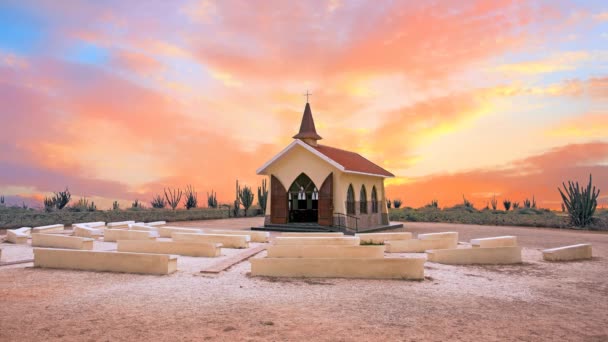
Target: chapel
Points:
(318, 185)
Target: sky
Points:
(118, 100)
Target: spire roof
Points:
(307, 127)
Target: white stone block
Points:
(48, 229)
(568, 253)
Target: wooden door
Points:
(278, 201)
(326, 201)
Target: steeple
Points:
(308, 132)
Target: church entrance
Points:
(303, 200)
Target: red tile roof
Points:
(352, 161)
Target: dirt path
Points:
(537, 301)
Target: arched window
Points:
(350, 200)
(363, 200)
(374, 201)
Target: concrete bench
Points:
(227, 241)
(188, 248)
(452, 236)
(478, 256)
(113, 235)
(156, 224)
(142, 227)
(379, 238)
(98, 224)
(18, 236)
(321, 251)
(61, 241)
(377, 268)
(567, 253)
(498, 241)
(417, 246)
(83, 230)
(166, 232)
(337, 234)
(255, 236)
(48, 229)
(119, 225)
(103, 261)
(341, 241)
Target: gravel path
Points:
(531, 302)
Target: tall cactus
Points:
(212, 199)
(494, 203)
(580, 202)
(237, 201)
(2, 200)
(246, 197)
(263, 196)
(115, 205)
(62, 198)
(173, 197)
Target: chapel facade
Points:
(313, 183)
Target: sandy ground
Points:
(536, 301)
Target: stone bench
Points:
(119, 225)
(156, 224)
(18, 236)
(567, 253)
(143, 227)
(61, 241)
(498, 241)
(113, 235)
(98, 224)
(227, 241)
(323, 251)
(478, 256)
(255, 236)
(48, 229)
(83, 230)
(452, 236)
(376, 268)
(379, 238)
(166, 232)
(187, 248)
(102, 261)
(417, 246)
(338, 234)
(341, 241)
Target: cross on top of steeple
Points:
(308, 132)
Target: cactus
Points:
(92, 207)
(494, 203)
(158, 202)
(530, 204)
(466, 202)
(136, 204)
(24, 206)
(397, 203)
(191, 198)
(2, 200)
(389, 203)
(62, 198)
(433, 204)
(515, 205)
(173, 197)
(50, 203)
(507, 204)
(246, 197)
(237, 202)
(263, 196)
(115, 206)
(81, 205)
(212, 199)
(580, 202)
(563, 208)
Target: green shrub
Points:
(580, 202)
(397, 203)
(263, 196)
(158, 202)
(191, 198)
(506, 204)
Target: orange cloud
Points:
(538, 175)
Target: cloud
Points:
(538, 175)
(562, 61)
(589, 125)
